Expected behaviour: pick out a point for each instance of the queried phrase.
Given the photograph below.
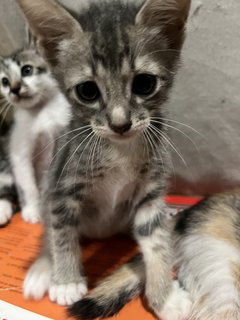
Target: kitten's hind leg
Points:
(209, 268)
(154, 235)
(37, 281)
(178, 304)
(6, 211)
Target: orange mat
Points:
(19, 245)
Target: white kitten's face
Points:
(24, 79)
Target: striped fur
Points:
(112, 155)
(8, 194)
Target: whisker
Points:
(79, 159)
(180, 123)
(72, 156)
(77, 135)
(183, 133)
(166, 151)
(168, 140)
(5, 114)
(91, 156)
(153, 146)
(52, 142)
(161, 159)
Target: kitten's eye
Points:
(27, 71)
(88, 91)
(144, 84)
(5, 82)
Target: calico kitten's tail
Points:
(110, 296)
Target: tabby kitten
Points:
(8, 194)
(207, 261)
(115, 61)
(40, 113)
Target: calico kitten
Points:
(40, 113)
(115, 61)
(8, 194)
(207, 261)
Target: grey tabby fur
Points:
(113, 155)
(8, 193)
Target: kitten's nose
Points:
(121, 129)
(16, 89)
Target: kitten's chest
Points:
(44, 119)
(117, 188)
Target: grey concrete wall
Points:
(206, 95)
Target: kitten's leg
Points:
(68, 283)
(209, 268)
(6, 211)
(25, 179)
(8, 196)
(37, 281)
(154, 236)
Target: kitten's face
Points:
(114, 88)
(114, 59)
(23, 79)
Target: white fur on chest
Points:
(51, 117)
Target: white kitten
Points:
(41, 112)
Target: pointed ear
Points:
(30, 40)
(50, 24)
(169, 16)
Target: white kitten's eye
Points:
(5, 82)
(144, 84)
(88, 91)
(27, 71)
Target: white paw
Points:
(31, 214)
(37, 281)
(178, 305)
(6, 211)
(67, 294)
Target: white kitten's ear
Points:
(169, 15)
(30, 40)
(50, 24)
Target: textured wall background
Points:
(206, 95)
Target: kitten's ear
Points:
(30, 40)
(50, 24)
(169, 16)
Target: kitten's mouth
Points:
(18, 98)
(120, 137)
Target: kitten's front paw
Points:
(6, 211)
(37, 281)
(67, 294)
(31, 214)
(178, 305)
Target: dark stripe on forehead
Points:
(106, 21)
